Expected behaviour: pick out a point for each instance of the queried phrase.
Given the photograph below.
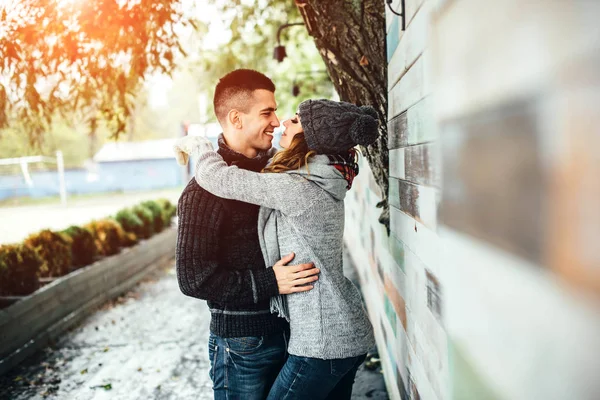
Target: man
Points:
(218, 252)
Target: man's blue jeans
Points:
(245, 368)
(312, 378)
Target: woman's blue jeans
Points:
(245, 368)
(313, 378)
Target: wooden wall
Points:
(517, 90)
(487, 287)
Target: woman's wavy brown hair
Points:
(292, 158)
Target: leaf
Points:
(108, 386)
(84, 371)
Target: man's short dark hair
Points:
(234, 90)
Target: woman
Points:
(301, 194)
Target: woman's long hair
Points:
(292, 158)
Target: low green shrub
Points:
(130, 222)
(157, 214)
(20, 267)
(107, 235)
(83, 246)
(55, 249)
(169, 210)
(144, 214)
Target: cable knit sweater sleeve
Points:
(289, 193)
(198, 272)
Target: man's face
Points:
(260, 121)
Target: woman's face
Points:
(292, 128)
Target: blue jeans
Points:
(313, 378)
(245, 368)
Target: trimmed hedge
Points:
(157, 214)
(20, 267)
(107, 235)
(127, 239)
(53, 254)
(169, 210)
(147, 218)
(83, 246)
(130, 222)
(55, 249)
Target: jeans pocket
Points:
(244, 345)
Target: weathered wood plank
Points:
(397, 127)
(494, 185)
(420, 202)
(414, 126)
(467, 82)
(397, 162)
(392, 38)
(417, 164)
(414, 86)
(422, 241)
(412, 44)
(421, 164)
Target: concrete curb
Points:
(30, 324)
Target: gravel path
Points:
(148, 344)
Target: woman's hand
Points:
(190, 145)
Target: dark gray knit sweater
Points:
(219, 258)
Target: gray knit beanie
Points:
(335, 126)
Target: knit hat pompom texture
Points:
(336, 126)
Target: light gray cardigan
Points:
(302, 211)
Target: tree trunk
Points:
(350, 35)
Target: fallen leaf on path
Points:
(108, 386)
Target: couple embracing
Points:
(260, 237)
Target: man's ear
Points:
(234, 118)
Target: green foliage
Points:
(130, 222)
(85, 57)
(108, 235)
(83, 246)
(147, 218)
(20, 266)
(254, 28)
(54, 249)
(169, 210)
(157, 214)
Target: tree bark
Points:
(350, 35)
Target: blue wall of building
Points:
(123, 176)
